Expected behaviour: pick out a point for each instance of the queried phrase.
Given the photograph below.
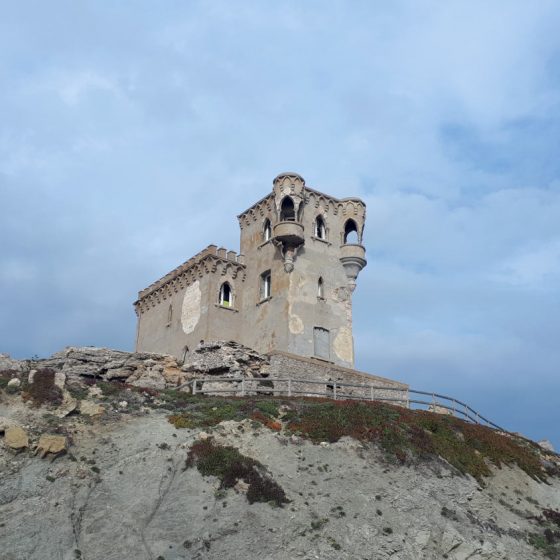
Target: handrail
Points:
(451, 404)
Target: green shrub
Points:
(230, 466)
(110, 389)
(267, 407)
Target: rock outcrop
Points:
(121, 481)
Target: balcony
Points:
(290, 234)
(353, 259)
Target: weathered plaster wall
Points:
(195, 310)
(284, 321)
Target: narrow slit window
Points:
(267, 230)
(321, 289)
(226, 295)
(266, 284)
(169, 315)
(320, 229)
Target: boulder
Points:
(15, 382)
(547, 445)
(150, 377)
(16, 437)
(90, 408)
(51, 444)
(69, 404)
(7, 363)
(118, 373)
(225, 359)
(59, 379)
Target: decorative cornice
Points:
(265, 206)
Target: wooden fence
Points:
(288, 387)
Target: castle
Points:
(289, 289)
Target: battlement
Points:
(312, 197)
(206, 261)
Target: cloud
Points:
(130, 139)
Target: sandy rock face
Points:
(141, 370)
(125, 493)
(90, 408)
(226, 359)
(16, 438)
(51, 444)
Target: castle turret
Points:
(288, 290)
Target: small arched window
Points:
(321, 289)
(320, 229)
(351, 232)
(226, 295)
(287, 210)
(267, 230)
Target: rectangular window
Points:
(321, 343)
(266, 285)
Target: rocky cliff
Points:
(103, 458)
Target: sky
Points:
(133, 133)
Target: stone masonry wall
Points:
(286, 365)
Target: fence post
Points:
(242, 386)
(194, 387)
(334, 390)
(289, 387)
(454, 406)
(371, 392)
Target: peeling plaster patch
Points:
(343, 345)
(190, 313)
(295, 324)
(296, 291)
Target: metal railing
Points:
(289, 387)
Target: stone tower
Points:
(289, 290)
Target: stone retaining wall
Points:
(286, 365)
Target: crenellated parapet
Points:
(211, 260)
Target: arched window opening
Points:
(169, 315)
(287, 210)
(351, 232)
(320, 229)
(267, 230)
(226, 295)
(321, 289)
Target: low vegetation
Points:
(43, 389)
(547, 540)
(230, 467)
(404, 435)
